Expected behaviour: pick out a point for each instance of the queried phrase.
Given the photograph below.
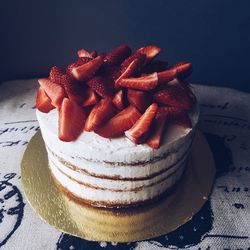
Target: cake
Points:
(118, 127)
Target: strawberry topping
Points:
(43, 102)
(121, 122)
(98, 90)
(147, 82)
(118, 100)
(139, 132)
(71, 120)
(101, 113)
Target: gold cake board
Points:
(125, 225)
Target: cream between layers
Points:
(115, 171)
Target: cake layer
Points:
(139, 171)
(101, 197)
(113, 184)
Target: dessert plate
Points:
(127, 225)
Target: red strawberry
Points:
(183, 69)
(166, 75)
(146, 82)
(94, 54)
(128, 71)
(137, 134)
(118, 100)
(140, 99)
(175, 115)
(174, 95)
(154, 140)
(101, 85)
(155, 66)
(101, 113)
(82, 60)
(149, 51)
(84, 53)
(71, 120)
(117, 55)
(54, 91)
(88, 69)
(43, 103)
(73, 89)
(55, 74)
(131, 58)
(121, 122)
(91, 98)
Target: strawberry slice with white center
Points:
(101, 113)
(175, 115)
(43, 102)
(150, 51)
(121, 122)
(117, 55)
(54, 91)
(131, 58)
(118, 100)
(84, 53)
(87, 70)
(140, 99)
(154, 141)
(183, 69)
(90, 98)
(71, 120)
(139, 132)
(167, 75)
(101, 85)
(174, 95)
(147, 82)
(130, 70)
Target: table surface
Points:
(222, 223)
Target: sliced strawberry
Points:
(101, 113)
(43, 103)
(101, 86)
(167, 75)
(131, 58)
(140, 99)
(71, 120)
(121, 122)
(74, 90)
(146, 82)
(137, 133)
(91, 98)
(183, 69)
(155, 66)
(117, 55)
(88, 69)
(175, 115)
(94, 54)
(82, 60)
(174, 95)
(118, 100)
(154, 141)
(150, 51)
(54, 91)
(55, 74)
(84, 53)
(132, 68)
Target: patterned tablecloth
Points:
(222, 223)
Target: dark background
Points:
(213, 34)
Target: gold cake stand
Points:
(125, 225)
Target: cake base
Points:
(119, 225)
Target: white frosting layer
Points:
(113, 184)
(125, 197)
